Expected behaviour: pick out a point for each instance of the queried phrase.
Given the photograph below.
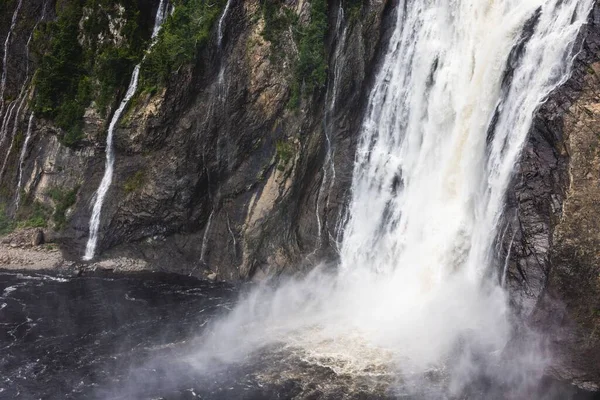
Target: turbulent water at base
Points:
(416, 299)
(414, 309)
(90, 248)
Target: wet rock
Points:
(553, 218)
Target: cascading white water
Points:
(221, 28)
(90, 248)
(416, 287)
(21, 100)
(13, 23)
(22, 160)
(6, 121)
(204, 245)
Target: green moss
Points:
(278, 21)
(353, 9)
(135, 182)
(33, 215)
(183, 35)
(311, 68)
(285, 151)
(63, 200)
(7, 225)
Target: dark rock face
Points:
(216, 172)
(217, 192)
(553, 220)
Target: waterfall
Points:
(21, 100)
(204, 245)
(161, 12)
(13, 23)
(328, 179)
(6, 121)
(222, 23)
(447, 119)
(22, 97)
(90, 248)
(22, 160)
(417, 288)
(428, 191)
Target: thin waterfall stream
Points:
(13, 23)
(328, 179)
(22, 156)
(90, 249)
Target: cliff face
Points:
(231, 163)
(551, 241)
(237, 159)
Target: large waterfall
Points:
(90, 248)
(417, 286)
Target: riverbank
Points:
(35, 250)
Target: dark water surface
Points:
(123, 337)
(105, 337)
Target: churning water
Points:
(417, 291)
(415, 308)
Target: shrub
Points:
(63, 200)
(70, 75)
(311, 69)
(183, 35)
(285, 151)
(33, 215)
(6, 224)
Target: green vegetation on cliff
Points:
(32, 215)
(310, 67)
(278, 21)
(63, 200)
(6, 223)
(81, 60)
(311, 70)
(183, 35)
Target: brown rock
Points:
(37, 238)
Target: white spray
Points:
(416, 286)
(90, 248)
